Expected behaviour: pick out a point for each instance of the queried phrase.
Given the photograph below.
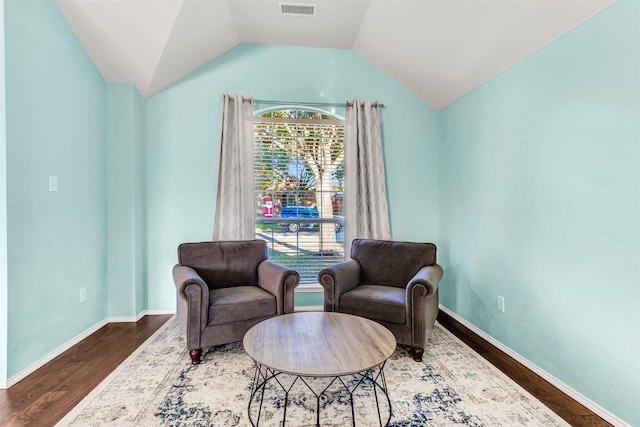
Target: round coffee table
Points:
(318, 344)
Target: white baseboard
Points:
(575, 395)
(49, 357)
(123, 319)
(66, 346)
(309, 287)
(157, 312)
(309, 308)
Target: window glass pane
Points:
(299, 182)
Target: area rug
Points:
(158, 386)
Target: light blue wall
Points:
(183, 143)
(535, 183)
(309, 299)
(125, 200)
(56, 240)
(540, 203)
(4, 306)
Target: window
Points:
(299, 182)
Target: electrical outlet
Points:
(53, 183)
(83, 294)
(500, 303)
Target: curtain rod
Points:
(312, 104)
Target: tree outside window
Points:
(299, 178)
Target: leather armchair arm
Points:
(281, 282)
(193, 303)
(184, 276)
(422, 286)
(337, 280)
(428, 278)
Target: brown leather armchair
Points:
(224, 288)
(393, 283)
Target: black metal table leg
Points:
(262, 378)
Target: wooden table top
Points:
(318, 344)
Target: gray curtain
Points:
(235, 214)
(365, 193)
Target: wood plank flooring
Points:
(45, 396)
(571, 411)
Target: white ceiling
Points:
(438, 49)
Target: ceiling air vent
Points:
(297, 9)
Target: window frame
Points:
(306, 286)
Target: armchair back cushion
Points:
(389, 263)
(224, 264)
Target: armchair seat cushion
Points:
(376, 302)
(238, 303)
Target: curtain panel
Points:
(366, 209)
(234, 217)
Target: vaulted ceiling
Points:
(438, 49)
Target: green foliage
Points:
(306, 153)
(299, 160)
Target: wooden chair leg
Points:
(417, 353)
(195, 356)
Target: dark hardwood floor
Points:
(571, 411)
(45, 396)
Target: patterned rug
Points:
(158, 386)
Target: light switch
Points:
(53, 183)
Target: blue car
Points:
(298, 212)
(302, 212)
